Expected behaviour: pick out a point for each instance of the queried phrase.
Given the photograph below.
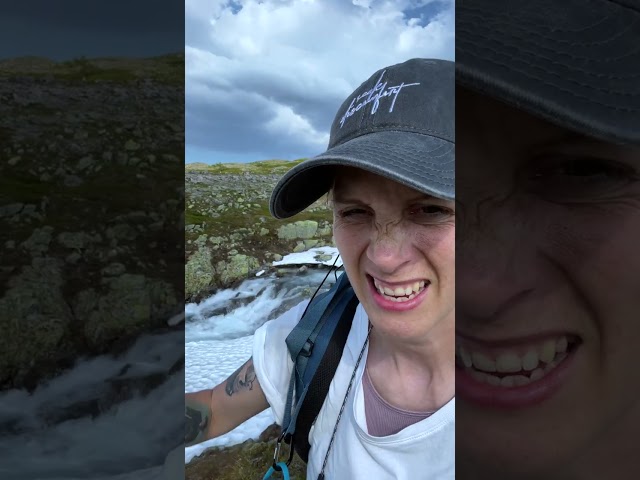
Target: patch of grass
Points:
(168, 69)
(247, 462)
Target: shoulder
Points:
(271, 359)
(279, 328)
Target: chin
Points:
(403, 325)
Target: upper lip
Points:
(403, 283)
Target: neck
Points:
(416, 374)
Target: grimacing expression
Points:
(548, 231)
(397, 246)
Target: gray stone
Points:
(198, 273)
(303, 229)
(236, 268)
(310, 243)
(75, 240)
(114, 269)
(324, 231)
(85, 162)
(38, 242)
(131, 145)
(72, 181)
(11, 209)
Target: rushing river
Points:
(116, 417)
(219, 335)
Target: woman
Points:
(390, 172)
(547, 253)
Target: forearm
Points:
(211, 413)
(198, 417)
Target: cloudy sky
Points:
(264, 78)
(65, 29)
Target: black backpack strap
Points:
(319, 385)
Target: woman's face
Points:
(548, 297)
(397, 246)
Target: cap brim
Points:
(573, 66)
(421, 162)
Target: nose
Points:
(389, 249)
(496, 272)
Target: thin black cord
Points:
(344, 403)
(335, 271)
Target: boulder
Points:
(236, 268)
(303, 229)
(198, 272)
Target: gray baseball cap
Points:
(400, 124)
(575, 63)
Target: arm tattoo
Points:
(239, 381)
(196, 418)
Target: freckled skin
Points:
(537, 214)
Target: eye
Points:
(431, 213)
(579, 178)
(353, 213)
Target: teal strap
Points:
(283, 469)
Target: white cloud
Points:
(266, 77)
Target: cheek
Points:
(439, 246)
(598, 252)
(350, 237)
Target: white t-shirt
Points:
(424, 450)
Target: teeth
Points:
(508, 381)
(508, 363)
(482, 362)
(480, 365)
(400, 293)
(537, 374)
(548, 351)
(466, 358)
(530, 360)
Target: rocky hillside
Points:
(91, 207)
(230, 233)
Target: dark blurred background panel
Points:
(91, 238)
(548, 224)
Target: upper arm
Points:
(237, 399)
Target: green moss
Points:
(247, 461)
(262, 167)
